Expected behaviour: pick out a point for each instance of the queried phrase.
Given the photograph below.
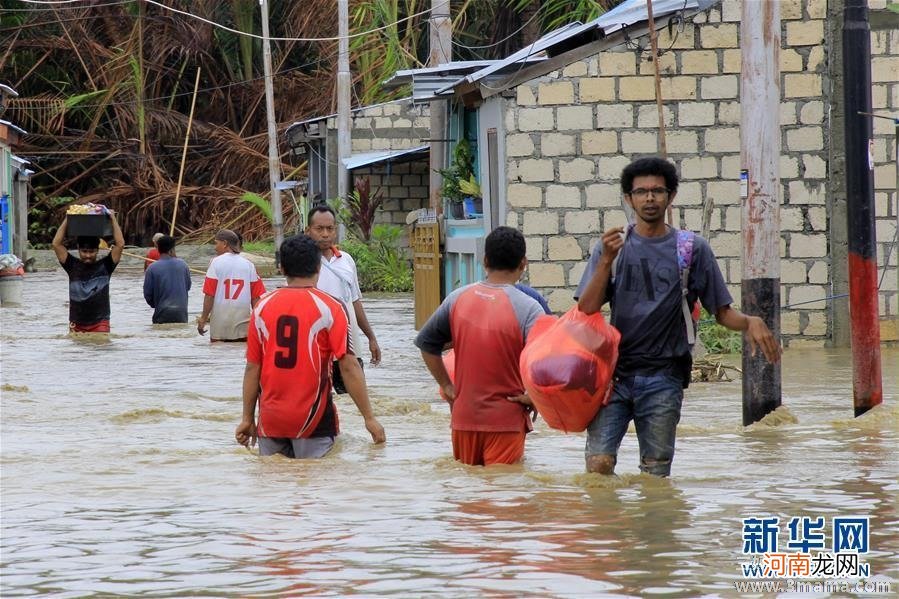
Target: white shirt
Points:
(338, 277)
(232, 280)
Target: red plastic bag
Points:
(567, 367)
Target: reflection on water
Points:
(120, 476)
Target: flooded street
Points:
(120, 475)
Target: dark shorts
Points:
(312, 448)
(337, 378)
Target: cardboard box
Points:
(90, 225)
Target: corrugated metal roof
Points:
(576, 34)
(432, 82)
(11, 126)
(368, 158)
(450, 69)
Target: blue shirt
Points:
(166, 284)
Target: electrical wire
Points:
(282, 39)
(508, 37)
(189, 93)
(253, 35)
(87, 7)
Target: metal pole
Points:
(441, 35)
(867, 389)
(274, 158)
(760, 191)
(344, 139)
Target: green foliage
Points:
(381, 264)
(718, 339)
(264, 206)
(44, 217)
(556, 13)
(397, 41)
(260, 248)
(461, 169)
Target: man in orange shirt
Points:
(295, 332)
(487, 323)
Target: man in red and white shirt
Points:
(338, 276)
(295, 333)
(231, 289)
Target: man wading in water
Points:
(294, 333)
(654, 360)
(488, 323)
(89, 277)
(339, 278)
(230, 291)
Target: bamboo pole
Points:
(190, 268)
(654, 48)
(190, 120)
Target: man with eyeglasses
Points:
(646, 296)
(338, 277)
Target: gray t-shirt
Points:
(646, 301)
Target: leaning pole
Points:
(867, 389)
(760, 193)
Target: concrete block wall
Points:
(396, 125)
(885, 101)
(404, 185)
(571, 132)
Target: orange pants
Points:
(480, 448)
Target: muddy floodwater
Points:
(120, 476)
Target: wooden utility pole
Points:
(867, 384)
(760, 192)
(274, 158)
(441, 45)
(344, 81)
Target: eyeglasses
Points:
(323, 229)
(642, 193)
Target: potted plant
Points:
(472, 201)
(458, 180)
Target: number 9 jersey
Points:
(294, 335)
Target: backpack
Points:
(684, 262)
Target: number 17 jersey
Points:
(294, 334)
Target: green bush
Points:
(381, 264)
(718, 339)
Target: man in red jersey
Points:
(295, 332)
(488, 323)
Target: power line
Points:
(207, 89)
(511, 35)
(35, 9)
(282, 39)
(244, 33)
